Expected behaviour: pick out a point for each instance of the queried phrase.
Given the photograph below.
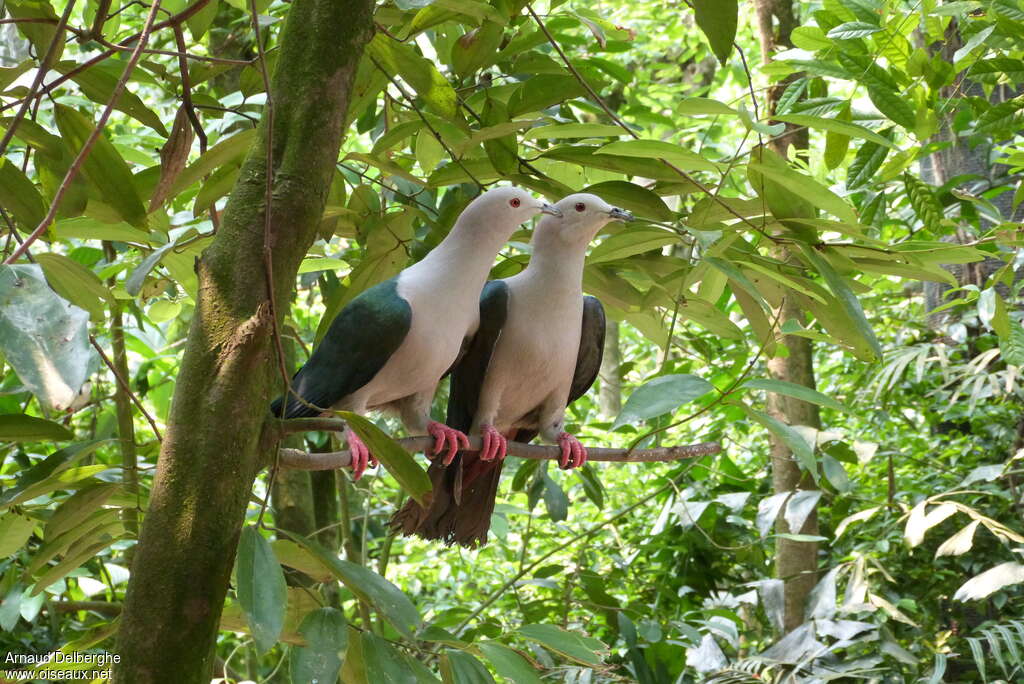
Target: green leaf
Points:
(42, 477)
(924, 202)
(477, 48)
(400, 59)
(508, 663)
(586, 155)
(850, 302)
(313, 264)
(573, 130)
(850, 129)
(805, 186)
(84, 228)
(1012, 345)
(661, 395)
(78, 507)
(718, 19)
(43, 337)
(326, 634)
(399, 462)
(698, 106)
(370, 587)
(835, 473)
(630, 241)
(103, 168)
(231, 150)
(791, 389)
(17, 427)
(592, 486)
(459, 667)
(40, 34)
(80, 552)
(865, 164)
(852, 30)
(75, 283)
(795, 441)
(810, 38)
(568, 644)
(262, 592)
(555, 500)
(98, 83)
(641, 201)
(541, 91)
(200, 22)
(657, 149)
(19, 196)
(15, 529)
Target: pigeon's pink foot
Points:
(446, 437)
(495, 445)
(574, 454)
(361, 456)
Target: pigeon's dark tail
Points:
(294, 409)
(462, 504)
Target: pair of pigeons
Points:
(519, 351)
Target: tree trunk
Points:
(212, 448)
(796, 563)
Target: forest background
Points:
(824, 281)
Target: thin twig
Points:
(186, 88)
(76, 165)
(123, 383)
(296, 459)
(412, 103)
(37, 82)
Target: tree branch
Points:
(297, 459)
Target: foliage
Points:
(627, 573)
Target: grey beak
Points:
(550, 209)
(620, 214)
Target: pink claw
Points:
(574, 454)
(361, 456)
(495, 445)
(443, 435)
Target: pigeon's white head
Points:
(583, 214)
(507, 207)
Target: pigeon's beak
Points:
(550, 209)
(620, 214)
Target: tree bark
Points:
(796, 563)
(212, 450)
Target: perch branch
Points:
(296, 459)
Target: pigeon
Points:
(538, 348)
(393, 343)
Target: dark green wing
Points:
(468, 375)
(358, 343)
(588, 360)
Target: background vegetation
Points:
(825, 280)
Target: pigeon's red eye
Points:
(515, 201)
(580, 206)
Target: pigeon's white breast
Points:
(536, 352)
(442, 317)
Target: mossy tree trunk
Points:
(211, 451)
(796, 562)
